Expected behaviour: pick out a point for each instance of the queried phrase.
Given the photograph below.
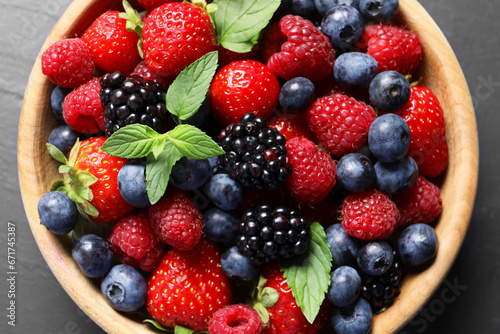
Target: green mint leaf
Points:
(193, 143)
(157, 325)
(182, 330)
(158, 147)
(131, 142)
(56, 153)
(158, 171)
(309, 276)
(239, 23)
(186, 94)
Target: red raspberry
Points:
(292, 125)
(235, 319)
(340, 123)
(394, 48)
(82, 108)
(134, 243)
(176, 220)
(148, 74)
(68, 63)
(314, 172)
(420, 204)
(369, 215)
(294, 47)
(245, 86)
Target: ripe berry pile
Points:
(223, 161)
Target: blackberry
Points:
(381, 291)
(267, 233)
(131, 100)
(255, 153)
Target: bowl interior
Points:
(439, 71)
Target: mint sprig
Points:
(186, 94)
(161, 150)
(238, 23)
(309, 276)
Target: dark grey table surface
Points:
(469, 299)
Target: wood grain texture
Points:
(440, 72)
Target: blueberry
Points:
(57, 212)
(224, 192)
(345, 286)
(220, 225)
(56, 101)
(355, 172)
(344, 26)
(324, 6)
(132, 183)
(381, 11)
(396, 177)
(342, 246)
(356, 319)
(214, 165)
(236, 265)
(92, 255)
(124, 288)
(189, 174)
(355, 69)
(200, 117)
(417, 244)
(389, 91)
(303, 8)
(296, 94)
(63, 137)
(375, 257)
(389, 138)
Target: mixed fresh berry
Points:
(221, 146)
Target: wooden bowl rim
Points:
(464, 147)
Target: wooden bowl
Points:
(440, 72)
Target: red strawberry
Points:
(68, 63)
(188, 287)
(235, 319)
(176, 220)
(152, 4)
(394, 48)
(369, 215)
(107, 198)
(175, 35)
(420, 204)
(82, 108)
(292, 125)
(294, 47)
(245, 86)
(134, 243)
(340, 123)
(112, 46)
(285, 316)
(314, 172)
(425, 117)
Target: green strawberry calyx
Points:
(134, 23)
(75, 183)
(176, 330)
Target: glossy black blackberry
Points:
(131, 100)
(267, 233)
(255, 153)
(381, 291)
